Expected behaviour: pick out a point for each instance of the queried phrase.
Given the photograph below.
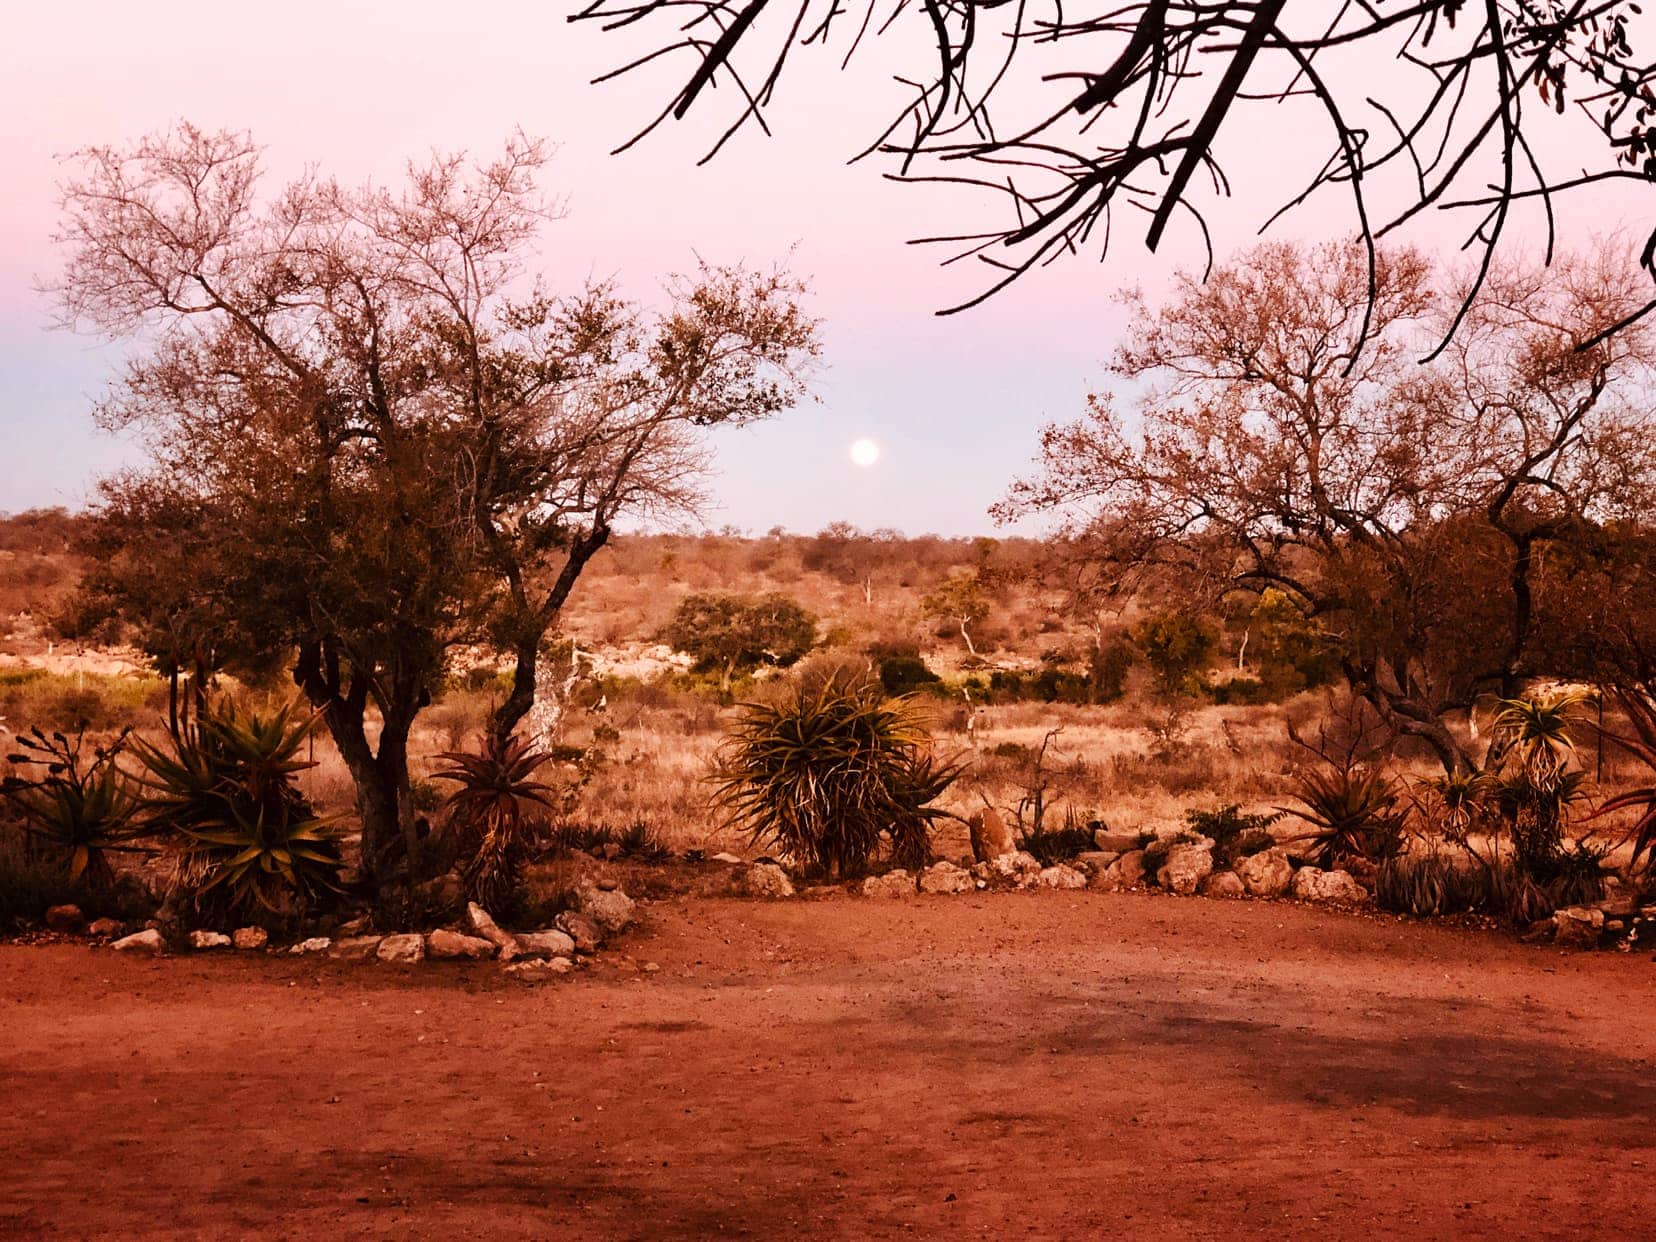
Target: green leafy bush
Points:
(1234, 834)
(904, 674)
(1178, 647)
(829, 771)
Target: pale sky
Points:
(358, 87)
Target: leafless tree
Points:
(1074, 111)
(1404, 507)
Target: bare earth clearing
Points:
(1032, 1065)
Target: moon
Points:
(864, 453)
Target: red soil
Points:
(1048, 1065)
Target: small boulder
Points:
(104, 929)
(897, 883)
(1266, 874)
(763, 880)
(66, 918)
(202, 940)
(444, 943)
(355, 948)
(316, 944)
(402, 950)
(582, 929)
(1578, 927)
(1125, 872)
(1095, 861)
(549, 943)
(249, 939)
(1315, 884)
(541, 967)
(728, 859)
(1060, 876)
(990, 836)
(1222, 884)
(485, 928)
(1115, 841)
(1184, 867)
(945, 877)
(147, 941)
(611, 909)
(1017, 866)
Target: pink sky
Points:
(357, 87)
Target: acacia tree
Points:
(1071, 111)
(1402, 508)
(395, 441)
(729, 632)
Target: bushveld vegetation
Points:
(1330, 599)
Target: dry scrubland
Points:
(652, 727)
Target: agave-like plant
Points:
(82, 809)
(491, 811)
(828, 771)
(248, 838)
(1536, 734)
(1640, 711)
(1355, 809)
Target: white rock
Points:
(250, 938)
(1125, 872)
(480, 921)
(355, 948)
(1223, 884)
(1314, 884)
(210, 940)
(148, 941)
(540, 968)
(1266, 874)
(316, 944)
(1019, 866)
(945, 877)
(549, 943)
(1060, 876)
(1579, 927)
(402, 949)
(1115, 841)
(897, 883)
(611, 910)
(1184, 867)
(764, 880)
(443, 943)
(726, 858)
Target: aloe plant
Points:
(830, 770)
(81, 807)
(490, 813)
(225, 785)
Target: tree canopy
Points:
(373, 437)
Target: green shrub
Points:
(1234, 834)
(830, 770)
(1051, 846)
(1178, 647)
(904, 674)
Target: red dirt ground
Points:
(1032, 1065)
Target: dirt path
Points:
(1040, 1065)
